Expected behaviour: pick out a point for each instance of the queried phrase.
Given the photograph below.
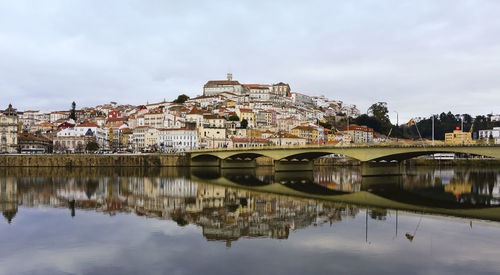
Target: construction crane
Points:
(389, 134)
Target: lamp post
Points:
(348, 134)
(462, 130)
(433, 130)
(397, 123)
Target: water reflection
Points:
(152, 220)
(225, 214)
(239, 202)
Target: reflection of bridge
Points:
(301, 158)
(302, 186)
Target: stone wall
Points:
(146, 160)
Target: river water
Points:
(199, 221)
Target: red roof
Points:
(358, 128)
(117, 119)
(222, 82)
(88, 124)
(195, 111)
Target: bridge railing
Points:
(344, 146)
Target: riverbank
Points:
(454, 162)
(143, 160)
(178, 160)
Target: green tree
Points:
(92, 146)
(380, 111)
(244, 123)
(72, 113)
(234, 118)
(181, 98)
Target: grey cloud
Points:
(421, 57)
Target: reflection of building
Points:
(8, 198)
(347, 180)
(458, 188)
(225, 214)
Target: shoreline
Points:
(178, 160)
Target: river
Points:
(211, 221)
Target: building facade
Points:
(8, 130)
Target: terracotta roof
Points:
(45, 124)
(358, 128)
(175, 129)
(118, 119)
(30, 137)
(88, 124)
(251, 139)
(222, 82)
(258, 86)
(212, 117)
(308, 128)
(195, 111)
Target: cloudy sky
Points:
(421, 57)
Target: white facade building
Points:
(178, 139)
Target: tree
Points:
(234, 118)
(92, 146)
(72, 113)
(181, 98)
(244, 123)
(380, 111)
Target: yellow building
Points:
(150, 138)
(307, 132)
(247, 114)
(458, 137)
(230, 103)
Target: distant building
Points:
(178, 139)
(215, 87)
(359, 134)
(281, 89)
(248, 115)
(492, 133)
(31, 144)
(307, 132)
(285, 139)
(71, 144)
(258, 92)
(8, 130)
(458, 137)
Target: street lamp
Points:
(397, 123)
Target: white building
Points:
(258, 92)
(178, 139)
(89, 129)
(215, 87)
(494, 133)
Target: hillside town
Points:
(228, 114)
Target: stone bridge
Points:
(301, 158)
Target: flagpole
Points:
(416, 126)
(432, 130)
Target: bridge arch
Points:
(367, 153)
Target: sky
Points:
(421, 57)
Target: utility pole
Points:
(397, 124)
(348, 135)
(432, 130)
(462, 130)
